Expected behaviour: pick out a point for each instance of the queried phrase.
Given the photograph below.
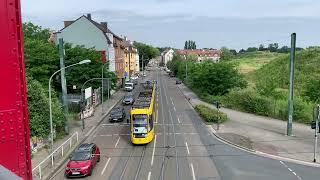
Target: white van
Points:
(128, 86)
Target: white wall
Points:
(83, 32)
(112, 61)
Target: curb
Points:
(54, 172)
(251, 151)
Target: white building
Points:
(137, 62)
(166, 56)
(84, 31)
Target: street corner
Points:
(265, 148)
(236, 139)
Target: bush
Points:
(210, 114)
(250, 101)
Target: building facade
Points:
(166, 56)
(201, 54)
(130, 55)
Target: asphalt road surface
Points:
(183, 148)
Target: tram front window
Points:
(140, 126)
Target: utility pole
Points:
(291, 77)
(102, 72)
(142, 65)
(316, 134)
(63, 77)
(129, 61)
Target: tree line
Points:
(190, 45)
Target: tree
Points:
(190, 45)
(42, 60)
(252, 49)
(273, 47)
(186, 45)
(233, 52)
(39, 112)
(225, 54)
(261, 47)
(147, 51)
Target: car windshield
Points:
(80, 156)
(128, 97)
(116, 111)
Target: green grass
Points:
(252, 61)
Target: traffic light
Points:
(313, 125)
(217, 104)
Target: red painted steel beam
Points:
(14, 123)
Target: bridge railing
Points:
(49, 161)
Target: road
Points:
(183, 148)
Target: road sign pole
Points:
(316, 134)
(291, 68)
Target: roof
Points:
(98, 25)
(199, 52)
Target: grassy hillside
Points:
(306, 71)
(252, 61)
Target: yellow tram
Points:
(142, 115)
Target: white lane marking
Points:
(117, 142)
(105, 166)
(149, 175)
(89, 131)
(187, 148)
(174, 108)
(294, 173)
(178, 120)
(192, 170)
(157, 115)
(154, 149)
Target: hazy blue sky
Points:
(211, 23)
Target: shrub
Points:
(210, 114)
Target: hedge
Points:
(210, 114)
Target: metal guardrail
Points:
(60, 150)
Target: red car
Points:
(82, 161)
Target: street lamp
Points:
(87, 61)
(82, 119)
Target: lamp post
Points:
(50, 105)
(82, 119)
(102, 72)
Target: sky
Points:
(211, 23)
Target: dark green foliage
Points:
(207, 77)
(252, 102)
(38, 105)
(312, 91)
(226, 55)
(210, 114)
(252, 49)
(147, 51)
(190, 45)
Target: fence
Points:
(50, 160)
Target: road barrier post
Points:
(316, 134)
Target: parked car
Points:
(128, 99)
(83, 160)
(117, 114)
(134, 77)
(178, 81)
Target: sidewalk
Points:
(262, 133)
(75, 126)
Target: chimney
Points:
(89, 16)
(67, 23)
(105, 24)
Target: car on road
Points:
(128, 99)
(83, 160)
(178, 81)
(171, 74)
(134, 77)
(129, 86)
(117, 114)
